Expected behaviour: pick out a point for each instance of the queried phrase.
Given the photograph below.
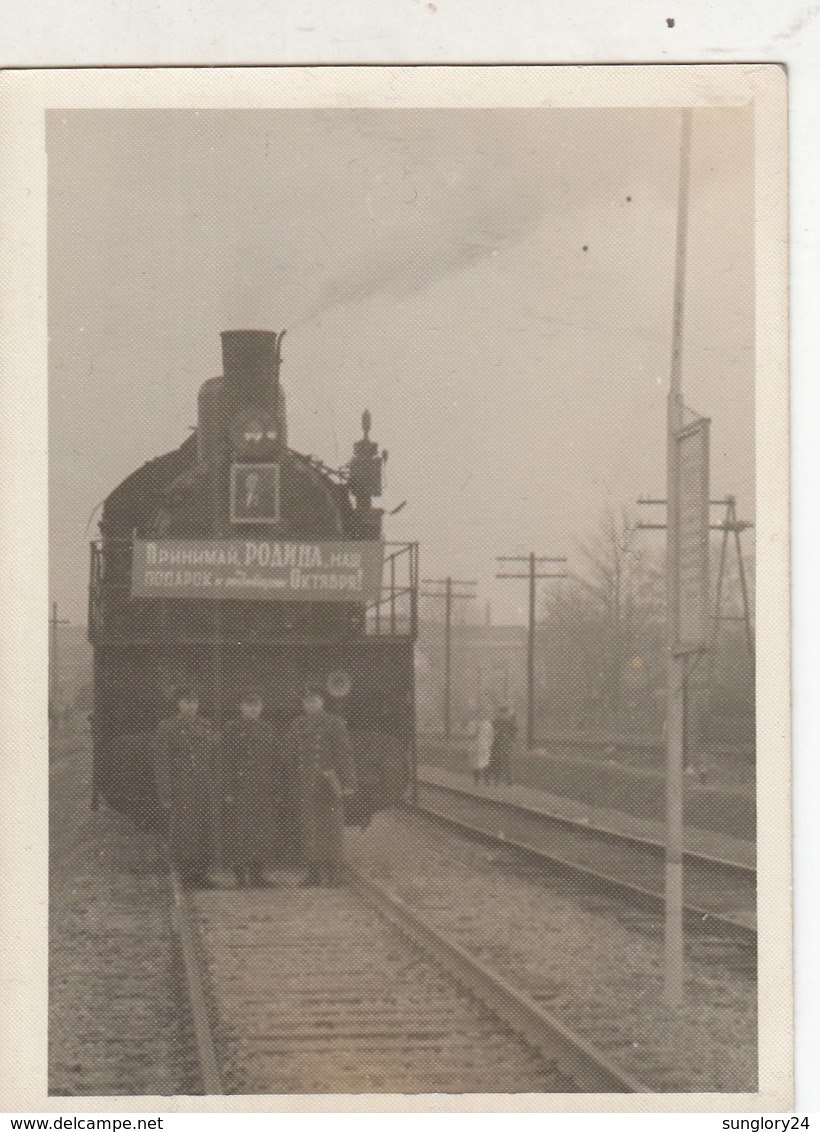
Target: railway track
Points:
(720, 895)
(351, 991)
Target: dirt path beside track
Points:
(113, 1018)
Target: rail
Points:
(182, 919)
(615, 836)
(698, 919)
(589, 1069)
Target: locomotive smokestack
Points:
(250, 364)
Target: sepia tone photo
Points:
(405, 646)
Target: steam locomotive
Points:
(235, 561)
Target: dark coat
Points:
(319, 750)
(183, 771)
(253, 783)
(505, 731)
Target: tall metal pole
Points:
(676, 693)
(730, 524)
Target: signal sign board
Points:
(689, 542)
(257, 570)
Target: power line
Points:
(449, 595)
(533, 560)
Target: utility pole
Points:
(687, 575)
(532, 560)
(730, 525)
(449, 594)
(53, 671)
(676, 664)
(735, 526)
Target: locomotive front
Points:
(235, 561)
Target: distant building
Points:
(488, 669)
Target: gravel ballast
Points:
(114, 1022)
(593, 963)
(116, 1027)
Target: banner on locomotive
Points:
(253, 569)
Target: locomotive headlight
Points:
(254, 432)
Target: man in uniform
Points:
(184, 749)
(323, 775)
(252, 779)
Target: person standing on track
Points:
(505, 731)
(323, 775)
(184, 750)
(252, 785)
(481, 745)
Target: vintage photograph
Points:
(404, 632)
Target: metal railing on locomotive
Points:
(395, 612)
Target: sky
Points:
(494, 285)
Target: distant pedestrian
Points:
(184, 748)
(505, 731)
(480, 750)
(252, 777)
(319, 750)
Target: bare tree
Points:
(610, 609)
